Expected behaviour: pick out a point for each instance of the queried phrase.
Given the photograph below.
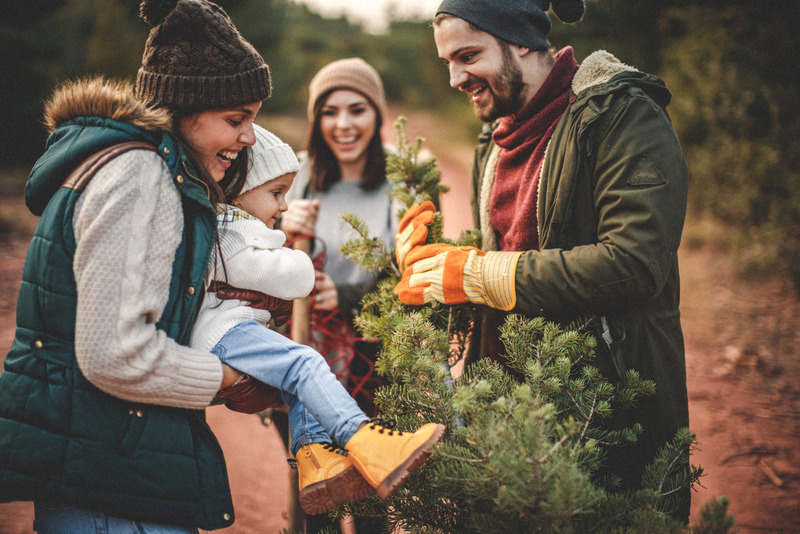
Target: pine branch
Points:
(415, 180)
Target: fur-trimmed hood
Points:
(101, 97)
(599, 68)
(84, 117)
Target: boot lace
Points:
(384, 424)
(334, 448)
(325, 445)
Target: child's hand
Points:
(300, 218)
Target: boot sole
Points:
(322, 497)
(398, 476)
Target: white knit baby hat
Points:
(271, 157)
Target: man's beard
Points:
(507, 97)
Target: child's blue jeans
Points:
(320, 408)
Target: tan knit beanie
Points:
(196, 59)
(271, 158)
(352, 73)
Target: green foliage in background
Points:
(734, 76)
(26, 60)
(628, 29)
(731, 66)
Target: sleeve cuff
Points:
(498, 273)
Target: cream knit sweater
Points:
(128, 225)
(254, 258)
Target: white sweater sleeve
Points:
(255, 259)
(128, 225)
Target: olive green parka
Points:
(611, 208)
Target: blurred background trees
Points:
(732, 66)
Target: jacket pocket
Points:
(612, 335)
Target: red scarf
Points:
(524, 138)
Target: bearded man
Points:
(579, 188)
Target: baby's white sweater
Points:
(254, 258)
(128, 225)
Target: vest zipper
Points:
(196, 179)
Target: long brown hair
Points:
(324, 165)
(220, 192)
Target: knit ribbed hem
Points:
(203, 92)
(197, 381)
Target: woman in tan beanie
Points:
(344, 170)
(102, 402)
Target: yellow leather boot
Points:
(385, 457)
(328, 478)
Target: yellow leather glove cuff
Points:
(455, 275)
(490, 279)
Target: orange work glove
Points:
(413, 230)
(456, 275)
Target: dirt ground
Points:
(742, 362)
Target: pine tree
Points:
(519, 455)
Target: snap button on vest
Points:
(179, 179)
(190, 290)
(38, 344)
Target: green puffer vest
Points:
(62, 440)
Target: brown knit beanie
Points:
(353, 73)
(196, 59)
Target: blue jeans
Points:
(320, 408)
(55, 519)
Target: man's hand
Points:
(456, 275)
(413, 230)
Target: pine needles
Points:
(518, 455)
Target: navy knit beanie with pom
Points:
(519, 22)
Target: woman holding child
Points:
(102, 400)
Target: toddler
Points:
(250, 256)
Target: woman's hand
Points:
(245, 394)
(327, 297)
(229, 375)
(300, 218)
